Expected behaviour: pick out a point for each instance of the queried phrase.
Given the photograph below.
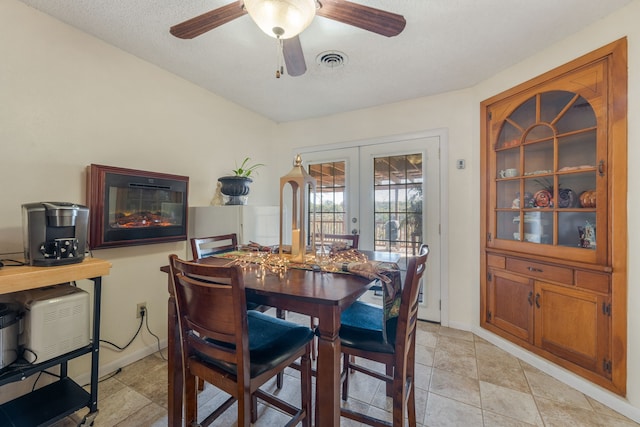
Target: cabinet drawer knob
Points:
(535, 270)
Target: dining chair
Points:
(202, 247)
(234, 349)
(350, 240)
(393, 344)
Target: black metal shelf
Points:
(21, 369)
(45, 406)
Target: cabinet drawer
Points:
(598, 282)
(496, 261)
(541, 271)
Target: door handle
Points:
(538, 300)
(530, 297)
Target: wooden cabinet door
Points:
(574, 325)
(510, 303)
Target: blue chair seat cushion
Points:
(271, 341)
(361, 327)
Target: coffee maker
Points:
(54, 233)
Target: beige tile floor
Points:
(462, 380)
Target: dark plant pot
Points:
(236, 187)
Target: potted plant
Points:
(236, 186)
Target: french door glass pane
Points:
(329, 200)
(397, 204)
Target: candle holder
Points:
(303, 186)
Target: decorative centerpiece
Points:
(302, 186)
(236, 186)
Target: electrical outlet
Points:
(142, 306)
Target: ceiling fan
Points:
(368, 18)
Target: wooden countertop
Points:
(21, 278)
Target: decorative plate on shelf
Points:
(567, 198)
(543, 199)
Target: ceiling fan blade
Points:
(365, 17)
(208, 21)
(293, 56)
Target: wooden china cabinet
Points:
(554, 227)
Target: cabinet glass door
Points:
(547, 176)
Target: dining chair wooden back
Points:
(202, 247)
(361, 335)
(231, 348)
(351, 240)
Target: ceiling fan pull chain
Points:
(279, 56)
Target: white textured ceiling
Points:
(446, 45)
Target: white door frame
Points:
(443, 135)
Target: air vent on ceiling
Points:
(332, 59)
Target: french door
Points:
(388, 193)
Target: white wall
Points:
(69, 100)
(459, 112)
(454, 111)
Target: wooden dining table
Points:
(322, 295)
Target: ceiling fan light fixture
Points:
(282, 19)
